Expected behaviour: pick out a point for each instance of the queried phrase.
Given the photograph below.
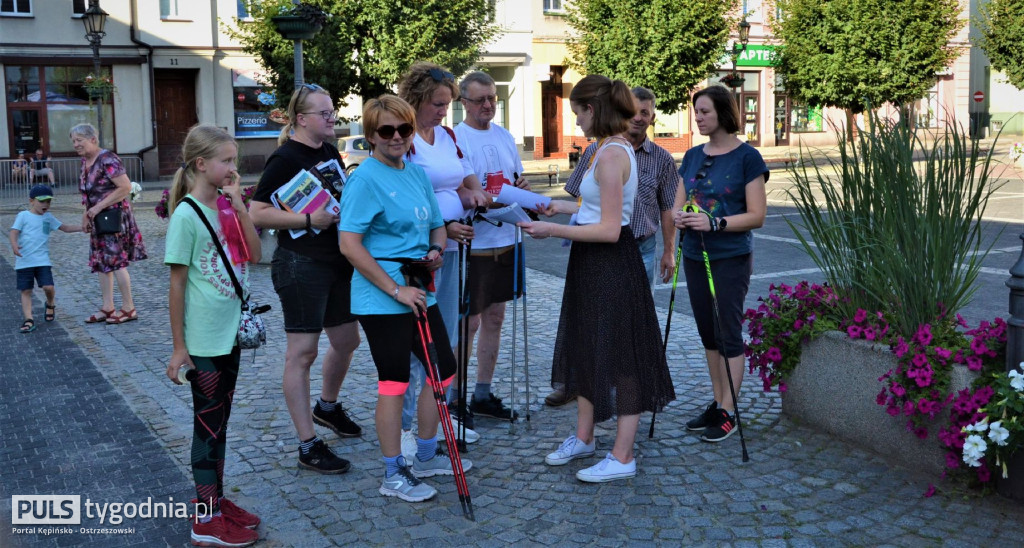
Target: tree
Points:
(365, 45)
(853, 54)
(1001, 27)
(669, 46)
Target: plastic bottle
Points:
(186, 373)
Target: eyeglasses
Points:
(441, 75)
(387, 132)
(492, 99)
(327, 115)
(708, 162)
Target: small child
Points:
(204, 314)
(30, 239)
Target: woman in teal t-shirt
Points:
(389, 214)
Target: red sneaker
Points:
(235, 513)
(220, 531)
(238, 515)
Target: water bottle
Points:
(186, 373)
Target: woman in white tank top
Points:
(608, 348)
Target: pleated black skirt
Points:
(608, 333)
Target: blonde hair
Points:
(202, 141)
(297, 104)
(612, 101)
(421, 80)
(374, 108)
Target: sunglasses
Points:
(441, 75)
(327, 115)
(708, 162)
(387, 132)
(491, 99)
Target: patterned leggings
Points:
(213, 389)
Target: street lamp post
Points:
(302, 23)
(734, 80)
(94, 20)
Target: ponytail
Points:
(182, 185)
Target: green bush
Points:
(895, 221)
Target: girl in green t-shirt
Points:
(202, 300)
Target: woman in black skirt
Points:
(608, 348)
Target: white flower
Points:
(1016, 379)
(979, 426)
(974, 449)
(998, 434)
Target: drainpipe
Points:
(152, 87)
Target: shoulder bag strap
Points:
(223, 255)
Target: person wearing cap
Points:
(30, 240)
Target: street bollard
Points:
(1013, 486)
(553, 171)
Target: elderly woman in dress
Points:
(105, 185)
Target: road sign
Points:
(979, 96)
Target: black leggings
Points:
(213, 389)
(732, 280)
(392, 336)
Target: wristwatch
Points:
(435, 247)
(722, 223)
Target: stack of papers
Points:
(304, 194)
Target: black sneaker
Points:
(337, 421)
(705, 419)
(491, 407)
(321, 459)
(453, 410)
(724, 427)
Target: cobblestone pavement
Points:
(124, 434)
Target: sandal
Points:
(101, 317)
(51, 312)
(28, 326)
(122, 316)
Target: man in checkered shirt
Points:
(655, 194)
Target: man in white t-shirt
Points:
(492, 151)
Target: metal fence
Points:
(66, 172)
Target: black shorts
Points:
(732, 280)
(492, 277)
(42, 275)
(392, 337)
(314, 294)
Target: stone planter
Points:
(268, 245)
(834, 389)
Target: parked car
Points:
(353, 150)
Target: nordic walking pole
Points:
(430, 353)
(668, 322)
(515, 333)
(461, 371)
(526, 329)
(690, 208)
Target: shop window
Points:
(806, 119)
(16, 7)
(67, 103)
(22, 83)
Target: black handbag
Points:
(107, 221)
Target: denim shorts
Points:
(314, 294)
(42, 275)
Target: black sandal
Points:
(28, 326)
(51, 312)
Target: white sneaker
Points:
(571, 449)
(471, 435)
(408, 445)
(610, 469)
